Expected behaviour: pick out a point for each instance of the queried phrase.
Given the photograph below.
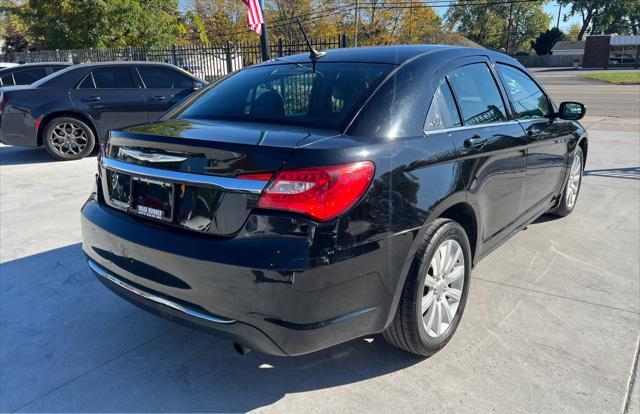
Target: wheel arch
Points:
(583, 143)
(72, 114)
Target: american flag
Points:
(255, 18)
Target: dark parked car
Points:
(296, 205)
(68, 111)
(28, 73)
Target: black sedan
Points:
(28, 73)
(302, 202)
(68, 111)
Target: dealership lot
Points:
(552, 323)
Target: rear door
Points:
(113, 97)
(547, 154)
(28, 76)
(165, 87)
(492, 147)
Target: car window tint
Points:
(28, 76)
(87, 83)
(478, 95)
(294, 94)
(57, 68)
(442, 111)
(164, 78)
(528, 99)
(7, 80)
(114, 78)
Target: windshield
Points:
(291, 94)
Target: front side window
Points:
(442, 111)
(478, 95)
(291, 94)
(528, 99)
(114, 78)
(164, 78)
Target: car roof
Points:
(118, 63)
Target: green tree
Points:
(545, 42)
(63, 24)
(487, 23)
(574, 31)
(602, 17)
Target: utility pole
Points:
(411, 23)
(264, 39)
(509, 27)
(559, 12)
(355, 40)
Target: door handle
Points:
(159, 98)
(475, 141)
(91, 99)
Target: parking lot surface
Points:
(552, 323)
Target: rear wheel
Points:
(435, 291)
(569, 196)
(68, 138)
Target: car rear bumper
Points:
(18, 129)
(253, 290)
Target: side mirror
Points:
(572, 111)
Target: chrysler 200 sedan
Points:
(311, 200)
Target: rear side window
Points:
(87, 83)
(442, 111)
(28, 76)
(164, 78)
(113, 78)
(7, 80)
(528, 99)
(478, 95)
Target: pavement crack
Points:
(541, 292)
(84, 374)
(632, 379)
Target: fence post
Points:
(227, 52)
(343, 40)
(174, 56)
(279, 51)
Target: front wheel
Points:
(435, 291)
(571, 190)
(68, 138)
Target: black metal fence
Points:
(205, 62)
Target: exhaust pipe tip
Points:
(241, 349)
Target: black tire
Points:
(408, 331)
(564, 207)
(68, 138)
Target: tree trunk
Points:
(585, 25)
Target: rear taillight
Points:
(322, 193)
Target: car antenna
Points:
(314, 55)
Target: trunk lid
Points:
(184, 173)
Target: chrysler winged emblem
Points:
(149, 157)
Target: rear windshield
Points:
(290, 94)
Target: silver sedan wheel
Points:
(573, 184)
(68, 139)
(443, 286)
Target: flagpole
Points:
(264, 39)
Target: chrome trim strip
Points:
(149, 157)
(103, 273)
(462, 128)
(230, 184)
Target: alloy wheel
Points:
(443, 287)
(573, 184)
(68, 138)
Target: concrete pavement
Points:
(552, 323)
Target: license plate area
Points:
(153, 198)
(142, 196)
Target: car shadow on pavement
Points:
(69, 344)
(629, 173)
(18, 156)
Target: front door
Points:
(165, 88)
(113, 97)
(546, 140)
